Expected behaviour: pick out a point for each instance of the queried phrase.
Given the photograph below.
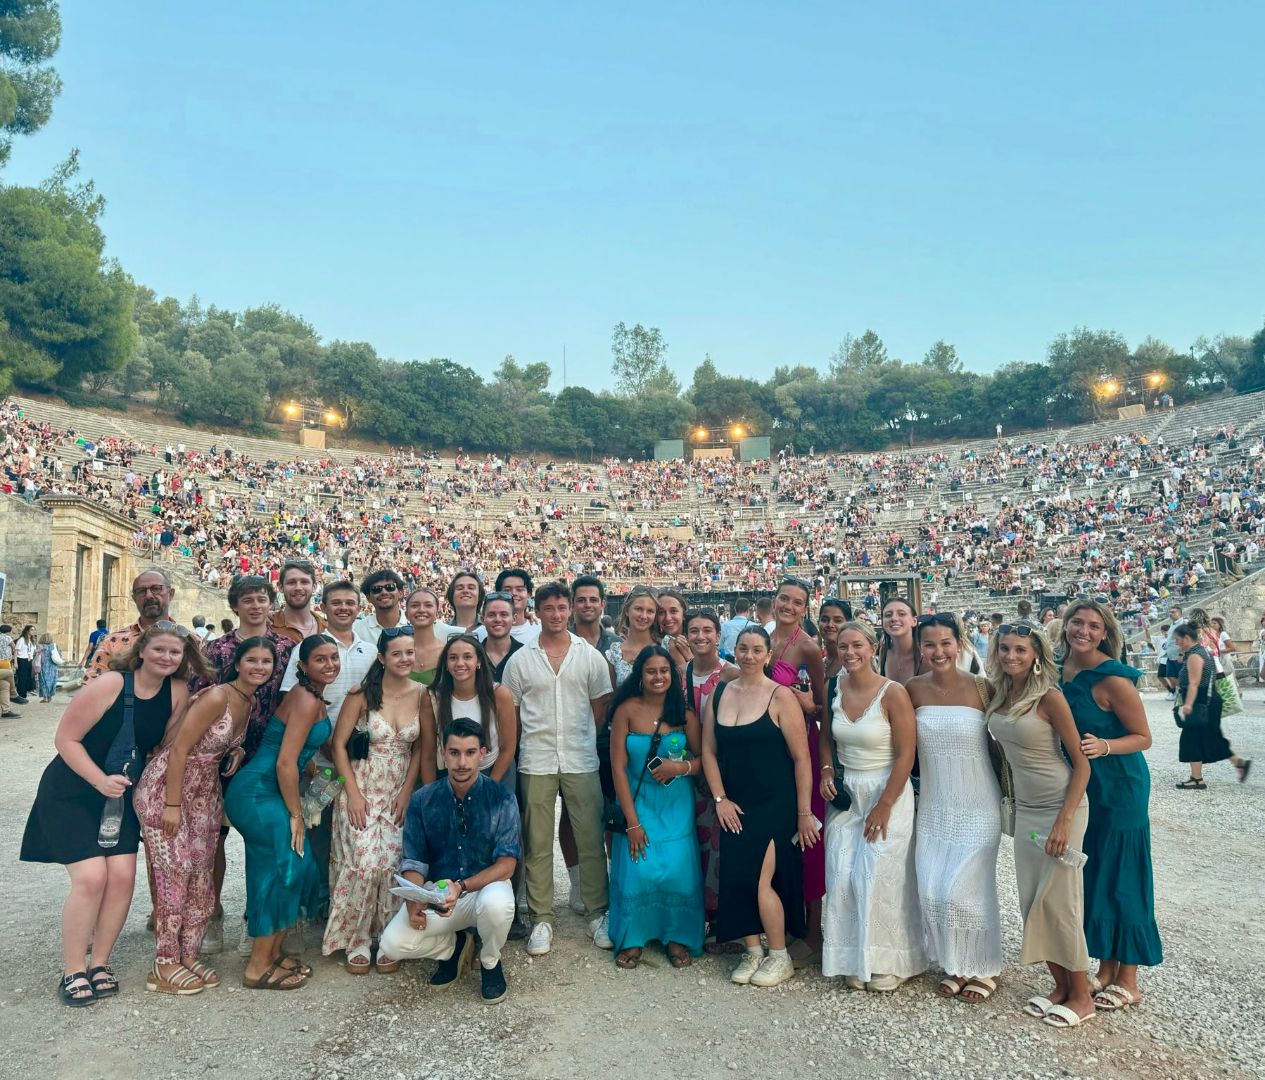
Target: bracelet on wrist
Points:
(173, 806)
(804, 813)
(827, 768)
(637, 826)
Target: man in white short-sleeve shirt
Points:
(340, 604)
(561, 686)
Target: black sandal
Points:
(1244, 769)
(104, 982)
(1191, 784)
(74, 996)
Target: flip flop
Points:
(1113, 997)
(628, 959)
(1038, 1006)
(680, 958)
(1060, 1016)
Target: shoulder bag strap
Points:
(121, 757)
(650, 751)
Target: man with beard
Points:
(295, 619)
(152, 592)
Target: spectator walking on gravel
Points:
(48, 659)
(1199, 711)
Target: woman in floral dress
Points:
(368, 835)
(180, 805)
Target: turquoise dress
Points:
(281, 887)
(659, 898)
(1119, 890)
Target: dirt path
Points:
(574, 1015)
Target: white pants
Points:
(490, 910)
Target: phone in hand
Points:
(654, 763)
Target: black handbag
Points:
(358, 744)
(842, 800)
(613, 819)
(1198, 715)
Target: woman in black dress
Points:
(1201, 743)
(66, 817)
(755, 757)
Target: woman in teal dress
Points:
(656, 876)
(1119, 892)
(283, 878)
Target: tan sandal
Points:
(208, 975)
(182, 982)
(358, 964)
(387, 967)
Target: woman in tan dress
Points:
(1028, 716)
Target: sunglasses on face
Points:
(375, 590)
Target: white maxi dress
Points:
(958, 834)
(871, 923)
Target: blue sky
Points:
(755, 179)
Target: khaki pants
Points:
(583, 793)
(8, 689)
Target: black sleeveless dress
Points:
(759, 775)
(66, 816)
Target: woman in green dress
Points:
(421, 609)
(1119, 892)
(283, 881)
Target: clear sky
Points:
(470, 180)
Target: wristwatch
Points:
(720, 798)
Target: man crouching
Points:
(465, 829)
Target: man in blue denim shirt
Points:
(463, 829)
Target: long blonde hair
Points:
(1043, 676)
(1113, 640)
(636, 593)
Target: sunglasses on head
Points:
(166, 626)
(1021, 629)
(501, 595)
(397, 631)
(940, 618)
(389, 586)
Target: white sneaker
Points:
(541, 940)
(773, 971)
(747, 966)
(213, 939)
(576, 902)
(598, 931)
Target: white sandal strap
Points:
(1061, 1016)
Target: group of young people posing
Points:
(763, 807)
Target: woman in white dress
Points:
(871, 924)
(959, 819)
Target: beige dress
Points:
(1051, 894)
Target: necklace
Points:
(244, 696)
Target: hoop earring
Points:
(1036, 667)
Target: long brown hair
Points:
(484, 687)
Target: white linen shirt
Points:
(556, 732)
(356, 660)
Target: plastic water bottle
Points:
(1071, 857)
(320, 793)
(803, 682)
(438, 896)
(111, 822)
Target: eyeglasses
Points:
(392, 632)
(144, 590)
(1020, 629)
(389, 586)
(165, 626)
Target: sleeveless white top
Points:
(865, 743)
(470, 710)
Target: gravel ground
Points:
(573, 1014)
